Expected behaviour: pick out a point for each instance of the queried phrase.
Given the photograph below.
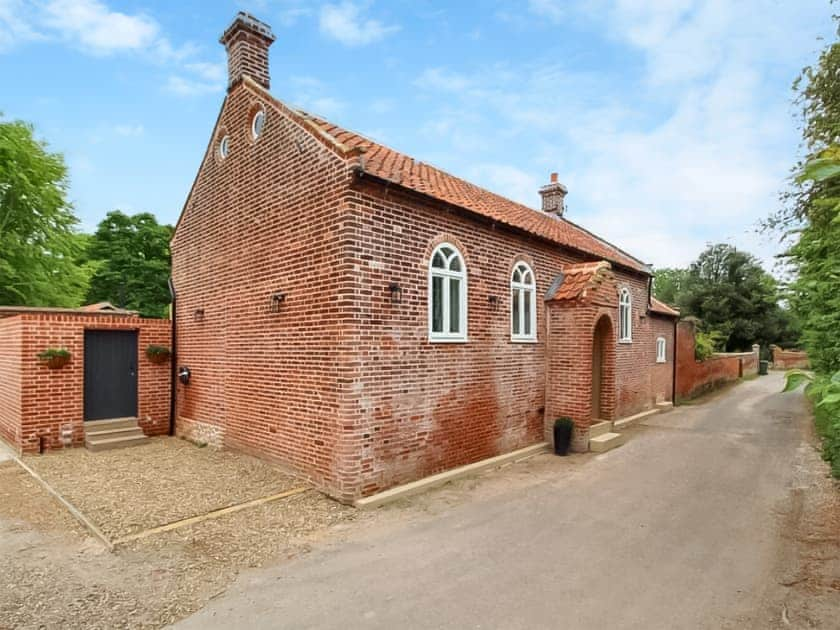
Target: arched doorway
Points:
(601, 399)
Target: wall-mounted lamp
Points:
(198, 315)
(276, 300)
(396, 293)
(494, 301)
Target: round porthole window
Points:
(257, 124)
(224, 147)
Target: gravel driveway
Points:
(698, 522)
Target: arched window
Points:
(660, 350)
(625, 316)
(447, 295)
(523, 304)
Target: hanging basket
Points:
(55, 359)
(158, 354)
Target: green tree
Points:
(39, 242)
(669, 285)
(731, 294)
(132, 259)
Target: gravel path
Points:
(129, 490)
(54, 575)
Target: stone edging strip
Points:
(77, 514)
(422, 485)
(111, 544)
(208, 515)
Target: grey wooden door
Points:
(110, 374)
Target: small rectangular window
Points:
(660, 350)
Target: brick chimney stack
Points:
(553, 197)
(246, 41)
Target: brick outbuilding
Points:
(368, 319)
(108, 375)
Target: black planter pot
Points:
(562, 436)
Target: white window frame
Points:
(254, 133)
(522, 288)
(625, 316)
(224, 147)
(447, 274)
(661, 346)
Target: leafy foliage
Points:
(707, 343)
(51, 353)
(670, 285)
(133, 263)
(736, 301)
(825, 393)
(811, 218)
(39, 244)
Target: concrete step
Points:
(113, 433)
(113, 423)
(105, 444)
(665, 407)
(623, 423)
(599, 428)
(606, 442)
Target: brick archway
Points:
(602, 383)
(581, 309)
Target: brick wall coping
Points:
(12, 311)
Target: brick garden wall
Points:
(696, 377)
(51, 399)
(789, 359)
(10, 372)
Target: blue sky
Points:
(670, 122)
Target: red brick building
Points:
(369, 319)
(107, 377)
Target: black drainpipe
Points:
(173, 377)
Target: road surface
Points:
(682, 527)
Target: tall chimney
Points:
(246, 41)
(554, 196)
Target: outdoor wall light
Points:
(276, 300)
(494, 301)
(198, 315)
(396, 293)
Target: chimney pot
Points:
(246, 41)
(554, 196)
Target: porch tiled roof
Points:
(576, 279)
(660, 307)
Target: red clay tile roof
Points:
(657, 306)
(421, 177)
(576, 279)
(405, 171)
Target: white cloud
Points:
(129, 130)
(94, 28)
(13, 29)
(183, 86)
(345, 23)
(98, 29)
(312, 95)
(692, 148)
(214, 72)
(517, 184)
